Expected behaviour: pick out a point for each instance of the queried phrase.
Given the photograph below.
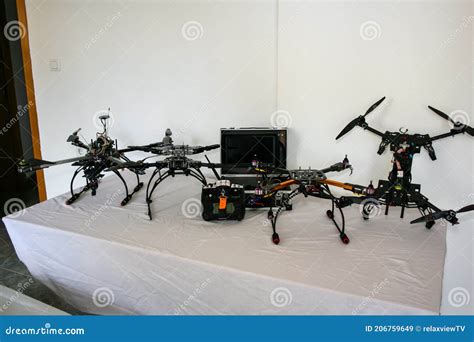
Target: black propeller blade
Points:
(443, 214)
(349, 127)
(359, 119)
(469, 207)
(375, 105)
(445, 116)
(440, 113)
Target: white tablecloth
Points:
(108, 259)
(14, 302)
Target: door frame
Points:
(30, 93)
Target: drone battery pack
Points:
(223, 201)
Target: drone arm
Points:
(153, 148)
(385, 140)
(201, 149)
(338, 167)
(373, 130)
(125, 150)
(38, 164)
(280, 186)
(42, 164)
(283, 185)
(451, 133)
(358, 189)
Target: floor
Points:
(13, 272)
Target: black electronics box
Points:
(223, 201)
(239, 146)
(255, 201)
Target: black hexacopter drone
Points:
(175, 163)
(101, 154)
(398, 190)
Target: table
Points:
(107, 259)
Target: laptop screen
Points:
(240, 146)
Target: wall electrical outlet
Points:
(54, 65)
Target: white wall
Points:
(133, 57)
(421, 55)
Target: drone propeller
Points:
(73, 136)
(443, 214)
(359, 119)
(445, 116)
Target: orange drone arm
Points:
(345, 186)
(283, 185)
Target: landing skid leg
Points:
(273, 219)
(161, 178)
(127, 195)
(330, 213)
(75, 196)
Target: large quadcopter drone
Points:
(310, 182)
(176, 162)
(398, 190)
(101, 154)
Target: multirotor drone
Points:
(175, 163)
(101, 155)
(398, 189)
(309, 182)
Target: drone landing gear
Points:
(128, 196)
(273, 218)
(75, 196)
(326, 194)
(285, 204)
(196, 173)
(426, 212)
(330, 214)
(429, 224)
(161, 177)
